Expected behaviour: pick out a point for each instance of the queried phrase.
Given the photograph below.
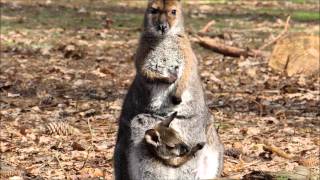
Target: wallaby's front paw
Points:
(172, 78)
(167, 79)
(169, 76)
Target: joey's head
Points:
(164, 141)
(163, 17)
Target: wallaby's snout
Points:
(184, 149)
(163, 27)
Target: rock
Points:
(296, 54)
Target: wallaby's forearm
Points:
(189, 63)
(153, 76)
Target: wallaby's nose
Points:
(184, 149)
(163, 27)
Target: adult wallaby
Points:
(167, 80)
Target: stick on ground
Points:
(281, 35)
(227, 50)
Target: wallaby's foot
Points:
(176, 100)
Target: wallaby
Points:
(152, 151)
(165, 143)
(166, 81)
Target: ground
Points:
(66, 66)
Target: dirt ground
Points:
(66, 66)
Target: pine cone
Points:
(7, 171)
(233, 152)
(60, 128)
(309, 162)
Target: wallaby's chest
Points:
(165, 57)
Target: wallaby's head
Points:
(164, 141)
(163, 17)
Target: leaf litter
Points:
(73, 82)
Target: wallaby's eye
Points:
(154, 11)
(169, 147)
(174, 12)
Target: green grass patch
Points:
(29, 17)
(298, 1)
(305, 1)
(32, 17)
(132, 20)
(298, 15)
(306, 16)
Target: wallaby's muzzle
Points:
(184, 149)
(163, 28)
(163, 24)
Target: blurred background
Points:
(66, 66)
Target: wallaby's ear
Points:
(169, 119)
(152, 137)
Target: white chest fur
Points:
(160, 94)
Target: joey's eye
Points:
(154, 11)
(174, 12)
(169, 147)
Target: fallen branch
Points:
(276, 150)
(281, 35)
(207, 26)
(233, 31)
(229, 50)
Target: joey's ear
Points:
(152, 137)
(169, 119)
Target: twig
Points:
(86, 160)
(281, 35)
(92, 145)
(91, 133)
(267, 146)
(242, 165)
(90, 129)
(207, 26)
(60, 165)
(251, 163)
(228, 31)
(229, 50)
